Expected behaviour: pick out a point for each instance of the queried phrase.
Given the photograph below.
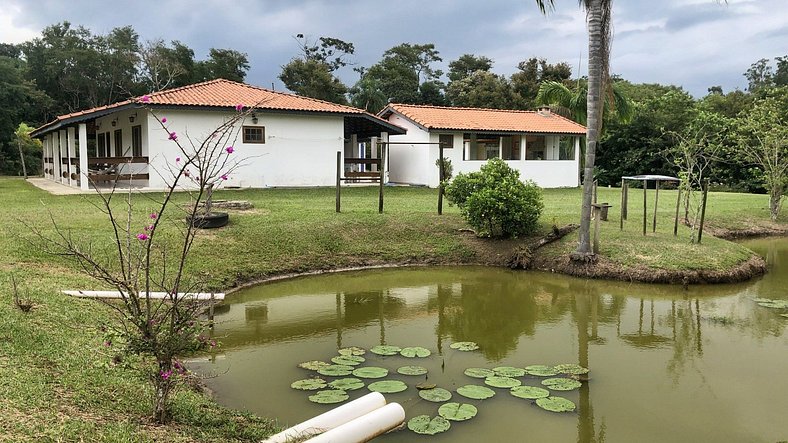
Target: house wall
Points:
(410, 163)
(416, 165)
(299, 149)
(122, 123)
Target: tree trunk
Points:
(162, 383)
(775, 199)
(21, 156)
(597, 71)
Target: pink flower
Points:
(239, 107)
(145, 98)
(164, 119)
(224, 176)
(149, 228)
(229, 149)
(177, 159)
(142, 237)
(173, 136)
(153, 216)
(187, 173)
(165, 375)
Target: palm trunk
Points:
(598, 34)
(21, 157)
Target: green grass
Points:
(55, 380)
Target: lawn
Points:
(56, 379)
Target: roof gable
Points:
(482, 119)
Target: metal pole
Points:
(645, 210)
(621, 221)
(440, 178)
(382, 172)
(339, 177)
(656, 206)
(676, 221)
(703, 208)
(625, 207)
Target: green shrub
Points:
(495, 202)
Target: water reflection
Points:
(672, 337)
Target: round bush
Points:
(495, 202)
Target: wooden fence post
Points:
(676, 221)
(339, 177)
(645, 204)
(623, 202)
(703, 208)
(656, 206)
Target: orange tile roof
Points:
(221, 93)
(480, 119)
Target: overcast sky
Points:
(691, 43)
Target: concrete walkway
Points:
(54, 187)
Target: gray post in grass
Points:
(441, 177)
(676, 221)
(656, 206)
(645, 209)
(703, 208)
(339, 176)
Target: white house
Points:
(543, 146)
(288, 141)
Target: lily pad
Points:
(571, 368)
(436, 395)
(313, 365)
(309, 384)
(347, 384)
(457, 412)
(353, 350)
(329, 396)
(412, 370)
(415, 351)
(770, 303)
(555, 404)
(335, 370)
(425, 385)
(348, 360)
(464, 346)
(385, 350)
(387, 386)
(479, 372)
(541, 371)
(508, 371)
(529, 392)
(502, 382)
(475, 392)
(426, 425)
(370, 372)
(561, 384)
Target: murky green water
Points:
(700, 365)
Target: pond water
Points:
(666, 364)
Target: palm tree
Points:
(571, 103)
(598, 19)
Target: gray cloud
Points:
(694, 44)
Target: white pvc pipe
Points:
(331, 419)
(366, 427)
(152, 295)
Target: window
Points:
(482, 147)
(102, 143)
(119, 143)
(566, 148)
(136, 141)
(510, 147)
(535, 147)
(446, 140)
(254, 134)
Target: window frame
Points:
(245, 139)
(117, 138)
(136, 141)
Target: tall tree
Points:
(312, 74)
(367, 93)
(598, 20)
(571, 103)
(228, 64)
(402, 71)
(481, 89)
(532, 73)
(466, 65)
(160, 67)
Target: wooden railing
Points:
(108, 162)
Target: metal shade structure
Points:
(645, 178)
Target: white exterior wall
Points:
(121, 119)
(410, 164)
(299, 149)
(416, 165)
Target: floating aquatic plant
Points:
(329, 396)
(475, 392)
(424, 424)
(571, 368)
(501, 382)
(529, 392)
(370, 372)
(479, 372)
(313, 365)
(347, 384)
(561, 384)
(387, 386)
(412, 370)
(352, 350)
(335, 370)
(385, 350)
(555, 404)
(348, 360)
(415, 351)
(509, 371)
(464, 346)
(309, 384)
(771, 303)
(426, 385)
(436, 395)
(457, 412)
(541, 371)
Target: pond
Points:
(666, 364)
